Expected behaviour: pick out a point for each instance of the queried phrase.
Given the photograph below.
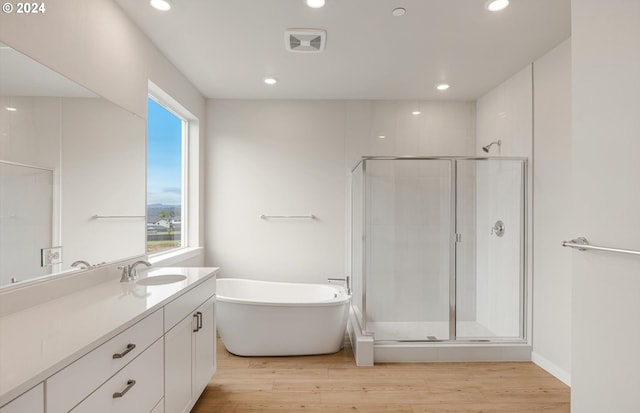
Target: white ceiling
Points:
(227, 47)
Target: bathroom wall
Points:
(97, 46)
(605, 373)
(276, 158)
(551, 212)
(295, 157)
(504, 113)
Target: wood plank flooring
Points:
(333, 383)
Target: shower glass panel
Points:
(407, 249)
(489, 255)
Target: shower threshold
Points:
(409, 331)
(399, 343)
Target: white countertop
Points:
(40, 340)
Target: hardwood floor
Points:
(333, 383)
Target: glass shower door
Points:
(407, 248)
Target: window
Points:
(166, 178)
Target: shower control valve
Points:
(498, 228)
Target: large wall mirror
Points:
(72, 174)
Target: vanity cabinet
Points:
(72, 384)
(189, 352)
(157, 358)
(31, 401)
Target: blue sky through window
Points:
(164, 167)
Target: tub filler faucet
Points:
(346, 282)
(129, 272)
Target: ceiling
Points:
(227, 47)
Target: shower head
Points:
(486, 148)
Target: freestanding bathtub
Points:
(263, 318)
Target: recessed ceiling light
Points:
(381, 137)
(496, 5)
(10, 109)
(162, 5)
(270, 80)
(442, 86)
(416, 112)
(315, 4)
(399, 11)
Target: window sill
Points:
(170, 258)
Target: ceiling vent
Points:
(305, 40)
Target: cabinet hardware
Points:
(198, 316)
(130, 384)
(124, 353)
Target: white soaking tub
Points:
(264, 318)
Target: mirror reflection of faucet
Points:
(498, 228)
(82, 264)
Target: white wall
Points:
(276, 158)
(606, 143)
(294, 157)
(95, 44)
(505, 114)
(551, 212)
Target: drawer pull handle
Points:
(130, 384)
(198, 317)
(124, 353)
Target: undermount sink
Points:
(161, 279)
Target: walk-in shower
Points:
(438, 253)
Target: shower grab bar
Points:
(311, 216)
(116, 216)
(582, 244)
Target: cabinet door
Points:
(31, 401)
(178, 366)
(205, 348)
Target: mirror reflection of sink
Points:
(161, 279)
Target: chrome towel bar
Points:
(582, 244)
(116, 216)
(311, 216)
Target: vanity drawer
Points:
(70, 385)
(136, 388)
(182, 306)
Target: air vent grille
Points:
(305, 40)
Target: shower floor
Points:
(425, 330)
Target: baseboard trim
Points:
(551, 368)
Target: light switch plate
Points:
(50, 256)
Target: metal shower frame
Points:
(453, 168)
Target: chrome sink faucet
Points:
(129, 272)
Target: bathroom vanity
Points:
(143, 346)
